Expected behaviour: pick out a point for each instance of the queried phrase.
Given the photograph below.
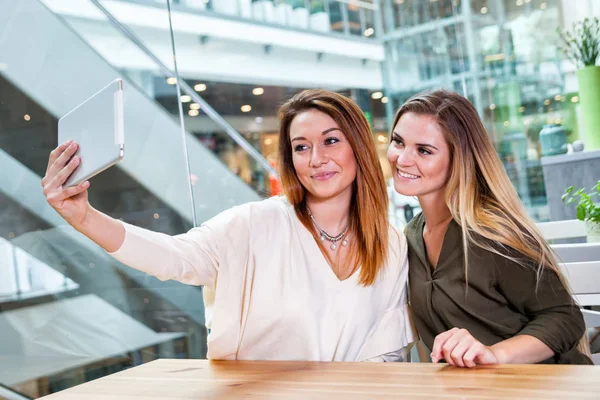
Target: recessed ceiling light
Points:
(369, 32)
(384, 100)
(26, 117)
(186, 99)
(376, 95)
(201, 87)
(171, 81)
(194, 106)
(246, 108)
(258, 91)
(193, 113)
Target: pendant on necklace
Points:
(322, 238)
(333, 246)
(345, 242)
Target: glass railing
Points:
(349, 17)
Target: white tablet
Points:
(97, 126)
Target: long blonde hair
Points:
(479, 194)
(368, 208)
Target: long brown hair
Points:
(479, 194)
(368, 220)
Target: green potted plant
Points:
(581, 45)
(588, 209)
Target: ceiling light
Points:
(492, 106)
(376, 95)
(547, 102)
(186, 99)
(194, 106)
(201, 87)
(268, 141)
(369, 32)
(193, 113)
(384, 100)
(258, 91)
(574, 99)
(246, 108)
(172, 81)
(26, 117)
(381, 138)
(484, 10)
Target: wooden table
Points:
(201, 379)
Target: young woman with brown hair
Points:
(484, 285)
(317, 274)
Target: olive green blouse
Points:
(501, 300)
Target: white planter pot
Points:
(320, 22)
(263, 10)
(593, 231)
(229, 7)
(284, 14)
(245, 8)
(197, 4)
(300, 18)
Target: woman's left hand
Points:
(459, 348)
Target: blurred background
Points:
(68, 312)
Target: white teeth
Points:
(408, 176)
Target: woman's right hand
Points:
(71, 203)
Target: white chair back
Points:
(584, 280)
(592, 318)
(567, 229)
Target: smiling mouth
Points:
(407, 175)
(322, 176)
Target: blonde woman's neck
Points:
(434, 209)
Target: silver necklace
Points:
(326, 236)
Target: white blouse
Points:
(275, 295)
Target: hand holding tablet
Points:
(96, 125)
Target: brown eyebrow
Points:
(325, 132)
(418, 144)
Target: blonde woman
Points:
(485, 287)
(317, 274)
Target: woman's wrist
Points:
(86, 225)
(501, 352)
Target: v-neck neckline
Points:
(314, 246)
(422, 248)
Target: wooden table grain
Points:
(201, 379)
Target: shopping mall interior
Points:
(203, 82)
